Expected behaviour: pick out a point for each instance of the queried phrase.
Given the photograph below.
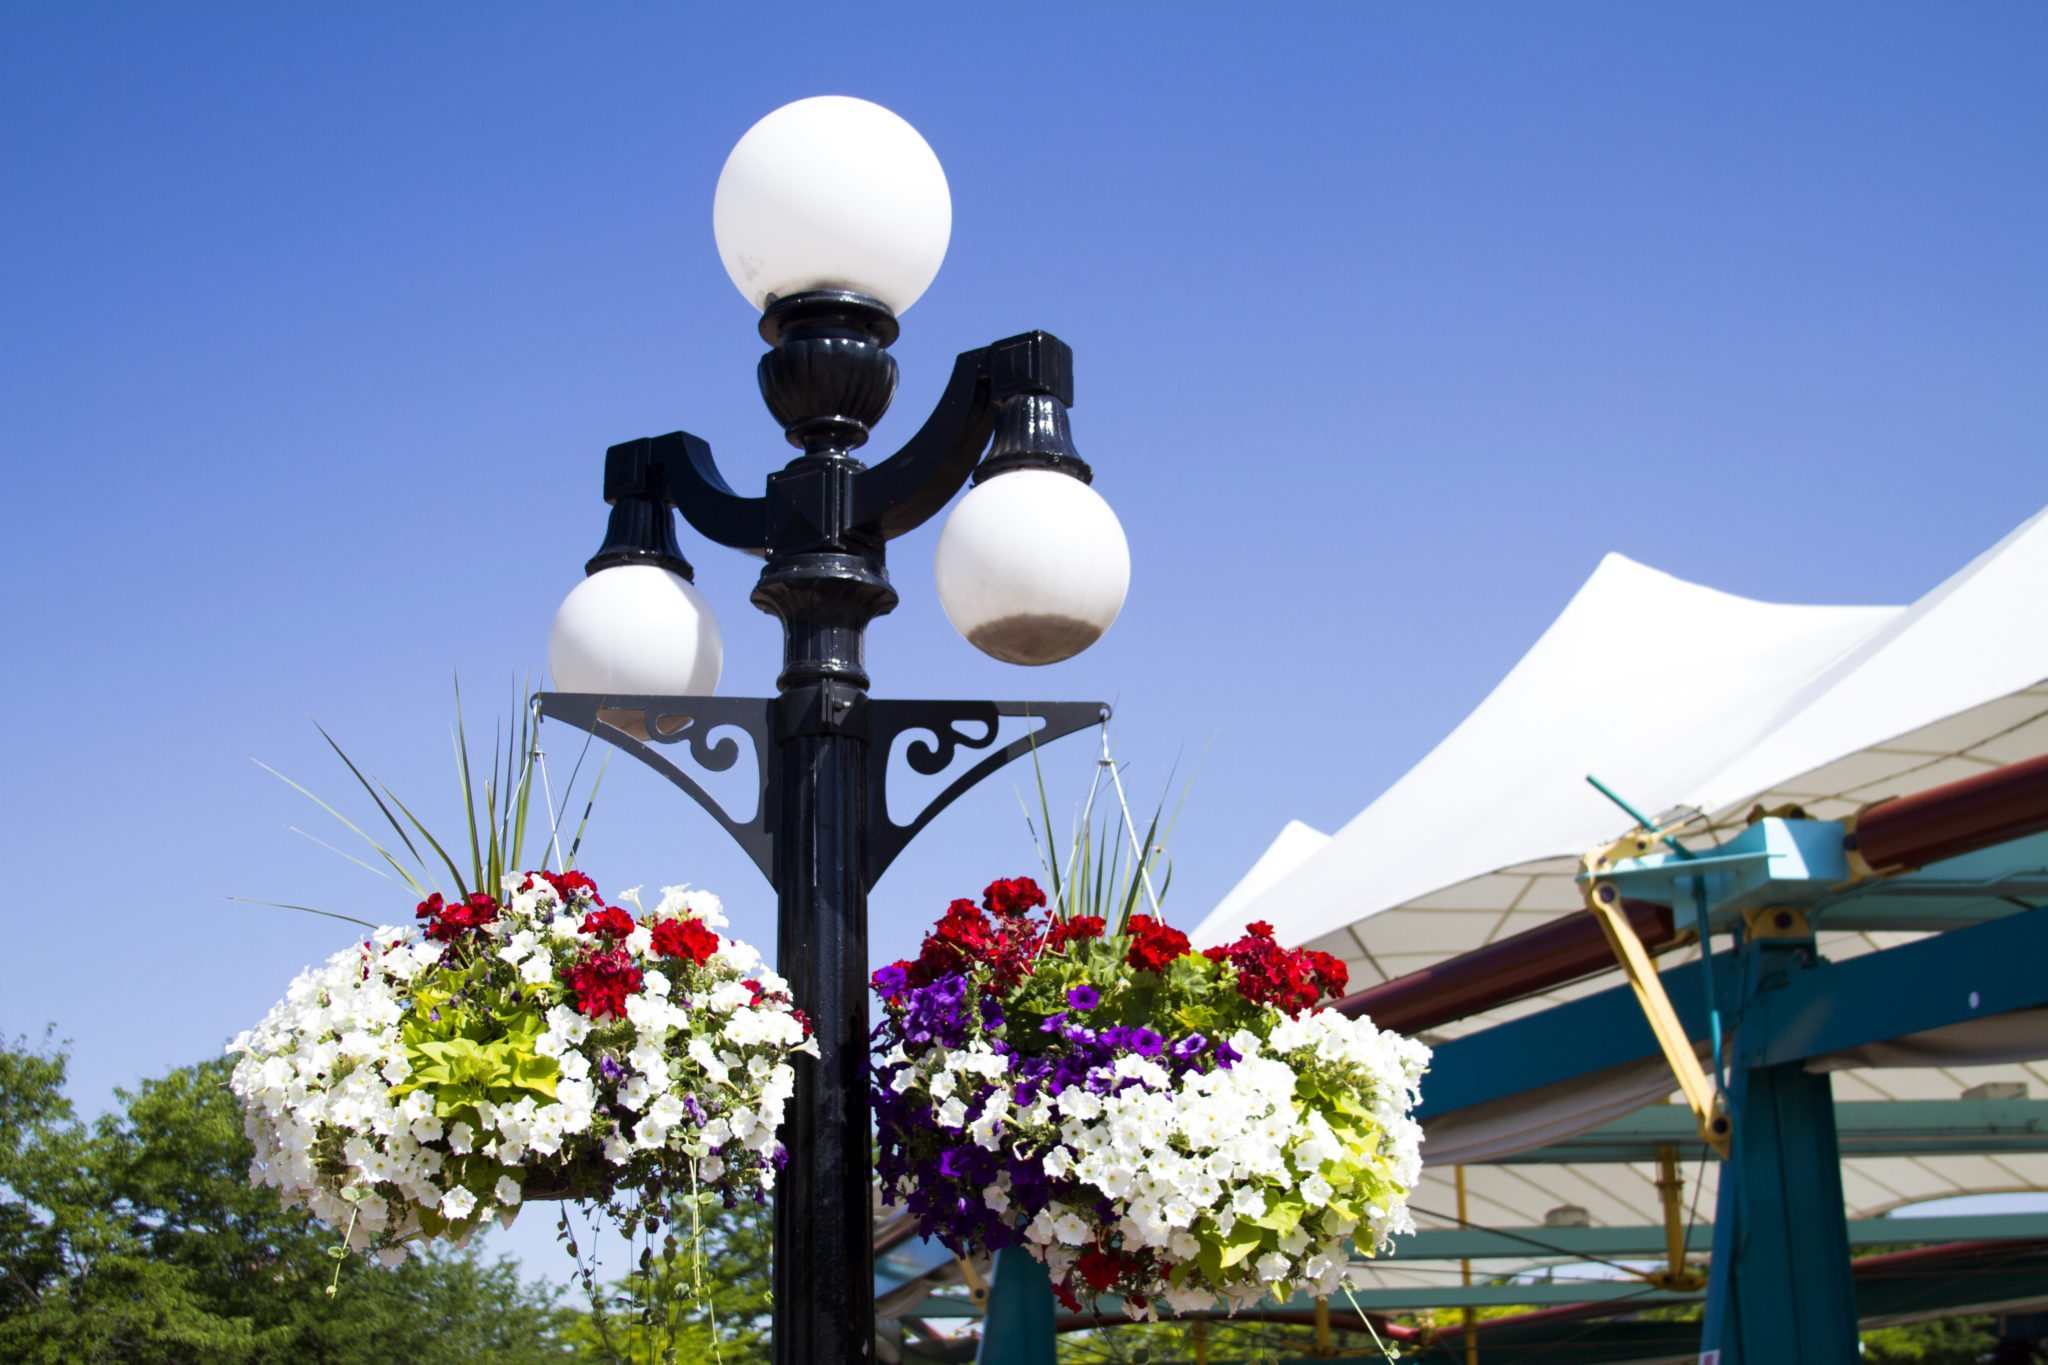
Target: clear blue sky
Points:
(1389, 321)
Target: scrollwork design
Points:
(712, 755)
(933, 756)
(889, 720)
(642, 725)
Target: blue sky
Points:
(1389, 321)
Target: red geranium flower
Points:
(602, 982)
(1154, 944)
(449, 922)
(1061, 932)
(1268, 974)
(1331, 973)
(1100, 1269)
(964, 937)
(609, 920)
(1012, 897)
(567, 884)
(685, 938)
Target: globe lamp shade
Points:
(1032, 566)
(832, 193)
(636, 630)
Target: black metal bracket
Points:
(641, 725)
(638, 724)
(1017, 390)
(887, 720)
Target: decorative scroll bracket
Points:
(639, 725)
(886, 720)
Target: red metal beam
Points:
(1956, 818)
(1536, 960)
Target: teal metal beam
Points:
(1992, 883)
(1562, 1043)
(942, 1306)
(2006, 1276)
(1647, 1242)
(1779, 1291)
(1823, 1007)
(1533, 1294)
(1951, 978)
(907, 1261)
(1019, 1328)
(1863, 1127)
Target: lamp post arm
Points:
(913, 485)
(910, 487)
(697, 490)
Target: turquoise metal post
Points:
(1780, 1290)
(1018, 1327)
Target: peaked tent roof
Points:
(1675, 695)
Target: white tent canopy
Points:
(1675, 695)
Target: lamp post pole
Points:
(820, 193)
(822, 833)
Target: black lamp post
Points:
(821, 832)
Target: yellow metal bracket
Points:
(1676, 1276)
(1776, 921)
(1603, 898)
(977, 1287)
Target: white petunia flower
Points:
(457, 1204)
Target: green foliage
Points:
(663, 1313)
(471, 1046)
(1941, 1341)
(1227, 1343)
(497, 808)
(1106, 869)
(138, 1239)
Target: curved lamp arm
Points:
(910, 487)
(695, 488)
(913, 485)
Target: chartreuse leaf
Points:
(1282, 1216)
(1240, 1244)
(535, 1073)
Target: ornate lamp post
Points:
(832, 216)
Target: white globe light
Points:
(1032, 566)
(832, 193)
(636, 630)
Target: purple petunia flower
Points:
(1084, 997)
(891, 980)
(1189, 1047)
(1146, 1043)
(609, 1069)
(1227, 1056)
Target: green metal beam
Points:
(1534, 1294)
(1522, 1244)
(1018, 1329)
(1863, 1127)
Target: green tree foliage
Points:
(138, 1239)
(672, 1310)
(1942, 1341)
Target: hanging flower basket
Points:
(541, 1045)
(1146, 1120)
